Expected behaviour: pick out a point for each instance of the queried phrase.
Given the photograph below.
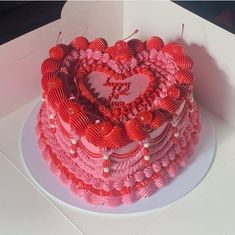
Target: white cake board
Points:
(188, 179)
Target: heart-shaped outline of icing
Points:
(94, 57)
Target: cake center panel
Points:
(108, 89)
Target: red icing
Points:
(154, 43)
(99, 44)
(184, 77)
(145, 117)
(169, 104)
(134, 130)
(80, 43)
(173, 49)
(50, 65)
(56, 53)
(79, 123)
(184, 62)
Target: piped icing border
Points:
(164, 64)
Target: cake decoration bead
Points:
(106, 156)
(74, 141)
(145, 117)
(52, 116)
(146, 145)
(106, 170)
(146, 157)
(176, 134)
(97, 121)
(71, 151)
(174, 123)
(52, 126)
(191, 99)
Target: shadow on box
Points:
(211, 85)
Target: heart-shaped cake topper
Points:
(124, 90)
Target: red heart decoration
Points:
(117, 83)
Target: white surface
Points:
(21, 58)
(28, 211)
(181, 185)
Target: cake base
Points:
(181, 185)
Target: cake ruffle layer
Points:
(129, 179)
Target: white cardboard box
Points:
(212, 50)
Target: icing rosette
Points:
(116, 138)
(174, 49)
(157, 166)
(79, 123)
(184, 77)
(94, 135)
(113, 201)
(147, 190)
(158, 120)
(134, 130)
(136, 45)
(169, 104)
(99, 44)
(161, 180)
(184, 62)
(172, 170)
(45, 80)
(55, 97)
(148, 172)
(130, 198)
(92, 198)
(50, 65)
(80, 43)
(154, 43)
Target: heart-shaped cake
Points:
(117, 122)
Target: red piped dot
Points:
(173, 92)
(106, 127)
(145, 151)
(56, 53)
(73, 109)
(53, 130)
(54, 83)
(145, 117)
